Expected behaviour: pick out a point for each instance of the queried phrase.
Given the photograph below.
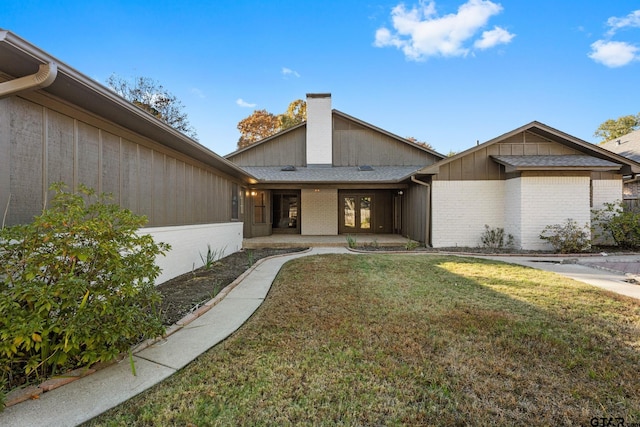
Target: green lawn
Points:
(412, 340)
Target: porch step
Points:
(298, 241)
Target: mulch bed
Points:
(185, 293)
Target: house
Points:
(336, 174)
(628, 146)
(57, 124)
(331, 175)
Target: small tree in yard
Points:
(76, 287)
(568, 237)
(620, 224)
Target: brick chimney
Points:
(319, 130)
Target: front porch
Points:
(299, 241)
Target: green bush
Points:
(76, 287)
(411, 245)
(568, 237)
(495, 238)
(619, 224)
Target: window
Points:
(259, 207)
(235, 202)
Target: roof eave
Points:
(21, 57)
(509, 169)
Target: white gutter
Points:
(44, 77)
(427, 237)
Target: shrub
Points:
(495, 238)
(211, 256)
(351, 241)
(76, 287)
(620, 224)
(411, 245)
(568, 237)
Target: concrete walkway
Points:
(614, 273)
(88, 397)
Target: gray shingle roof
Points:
(555, 162)
(627, 145)
(343, 174)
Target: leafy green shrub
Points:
(495, 238)
(568, 237)
(76, 287)
(351, 241)
(620, 224)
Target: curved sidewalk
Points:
(94, 394)
(88, 397)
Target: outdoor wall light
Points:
(254, 193)
(400, 193)
(317, 190)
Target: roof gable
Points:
(364, 125)
(627, 145)
(354, 143)
(546, 141)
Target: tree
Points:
(262, 124)
(259, 125)
(612, 129)
(421, 143)
(296, 113)
(152, 97)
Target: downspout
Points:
(44, 77)
(427, 237)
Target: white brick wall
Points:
(189, 241)
(319, 216)
(605, 191)
(551, 200)
(522, 206)
(462, 208)
(513, 210)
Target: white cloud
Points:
(617, 53)
(241, 102)
(421, 33)
(289, 72)
(613, 54)
(493, 38)
(631, 20)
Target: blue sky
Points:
(448, 72)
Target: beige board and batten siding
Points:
(287, 148)
(416, 211)
(47, 141)
(356, 145)
(479, 165)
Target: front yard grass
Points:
(412, 340)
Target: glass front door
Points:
(356, 214)
(285, 212)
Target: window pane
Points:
(365, 213)
(350, 212)
(234, 201)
